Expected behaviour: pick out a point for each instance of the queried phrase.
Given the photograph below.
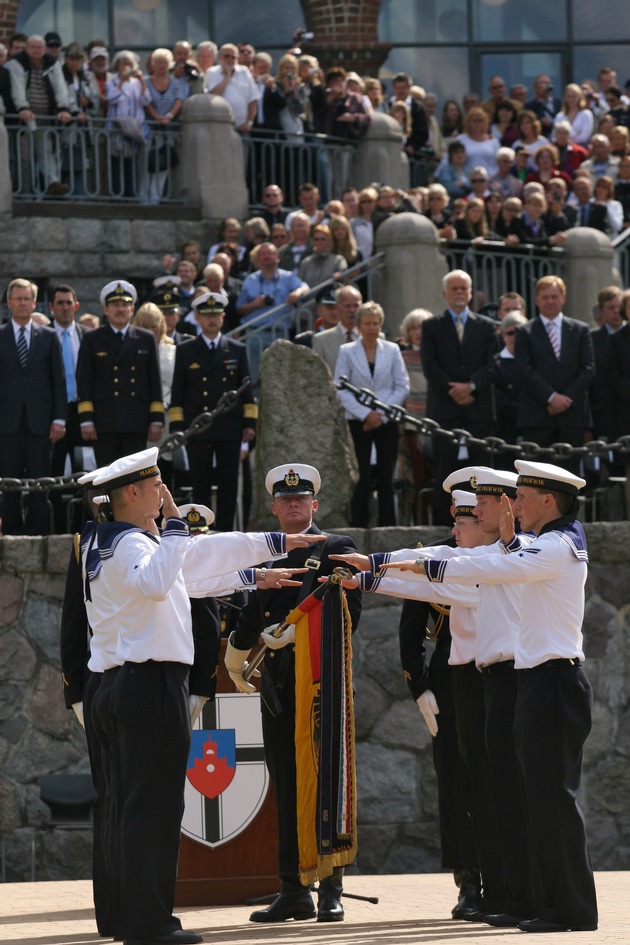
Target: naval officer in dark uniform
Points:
(293, 488)
(118, 380)
(206, 368)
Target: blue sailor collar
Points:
(571, 532)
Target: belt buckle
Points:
(314, 564)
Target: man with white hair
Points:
(236, 85)
(40, 95)
(601, 162)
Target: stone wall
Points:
(397, 797)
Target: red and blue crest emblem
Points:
(212, 760)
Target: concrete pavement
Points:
(412, 910)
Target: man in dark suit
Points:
(555, 358)
(63, 308)
(206, 368)
(293, 488)
(401, 84)
(601, 393)
(457, 352)
(33, 406)
(545, 105)
(590, 214)
(118, 381)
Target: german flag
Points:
(324, 733)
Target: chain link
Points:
(169, 444)
(558, 452)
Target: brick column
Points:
(346, 34)
(8, 18)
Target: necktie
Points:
(584, 214)
(349, 335)
(552, 331)
(22, 347)
(68, 365)
(459, 326)
(212, 346)
(119, 339)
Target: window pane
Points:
(160, 23)
(588, 60)
(440, 70)
(599, 20)
(517, 67)
(426, 21)
(514, 21)
(264, 25)
(77, 20)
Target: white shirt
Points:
(140, 596)
(239, 92)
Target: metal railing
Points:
(496, 268)
(285, 321)
(94, 160)
(291, 159)
(421, 170)
(621, 245)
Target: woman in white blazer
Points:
(377, 364)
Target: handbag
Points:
(161, 159)
(131, 127)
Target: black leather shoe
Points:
(469, 883)
(176, 937)
(329, 907)
(503, 920)
(476, 916)
(289, 904)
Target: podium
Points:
(229, 844)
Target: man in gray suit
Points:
(32, 406)
(327, 343)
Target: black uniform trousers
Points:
(470, 717)
(499, 687)
(279, 741)
(111, 446)
(151, 732)
(552, 720)
(224, 475)
(25, 455)
(385, 438)
(96, 697)
(456, 837)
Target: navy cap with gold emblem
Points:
(210, 303)
(118, 291)
(167, 296)
(547, 476)
(198, 517)
(133, 468)
(293, 479)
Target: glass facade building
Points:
(448, 46)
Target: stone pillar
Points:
(380, 156)
(414, 268)
(211, 173)
(590, 267)
(6, 187)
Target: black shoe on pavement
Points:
(503, 920)
(329, 907)
(176, 937)
(290, 903)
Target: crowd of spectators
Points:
(508, 169)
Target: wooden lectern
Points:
(229, 844)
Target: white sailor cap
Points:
(198, 517)
(293, 479)
(493, 481)
(211, 303)
(118, 290)
(460, 478)
(464, 502)
(166, 280)
(133, 468)
(88, 478)
(546, 476)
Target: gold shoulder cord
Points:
(76, 542)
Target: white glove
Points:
(195, 705)
(78, 711)
(427, 703)
(276, 643)
(236, 664)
